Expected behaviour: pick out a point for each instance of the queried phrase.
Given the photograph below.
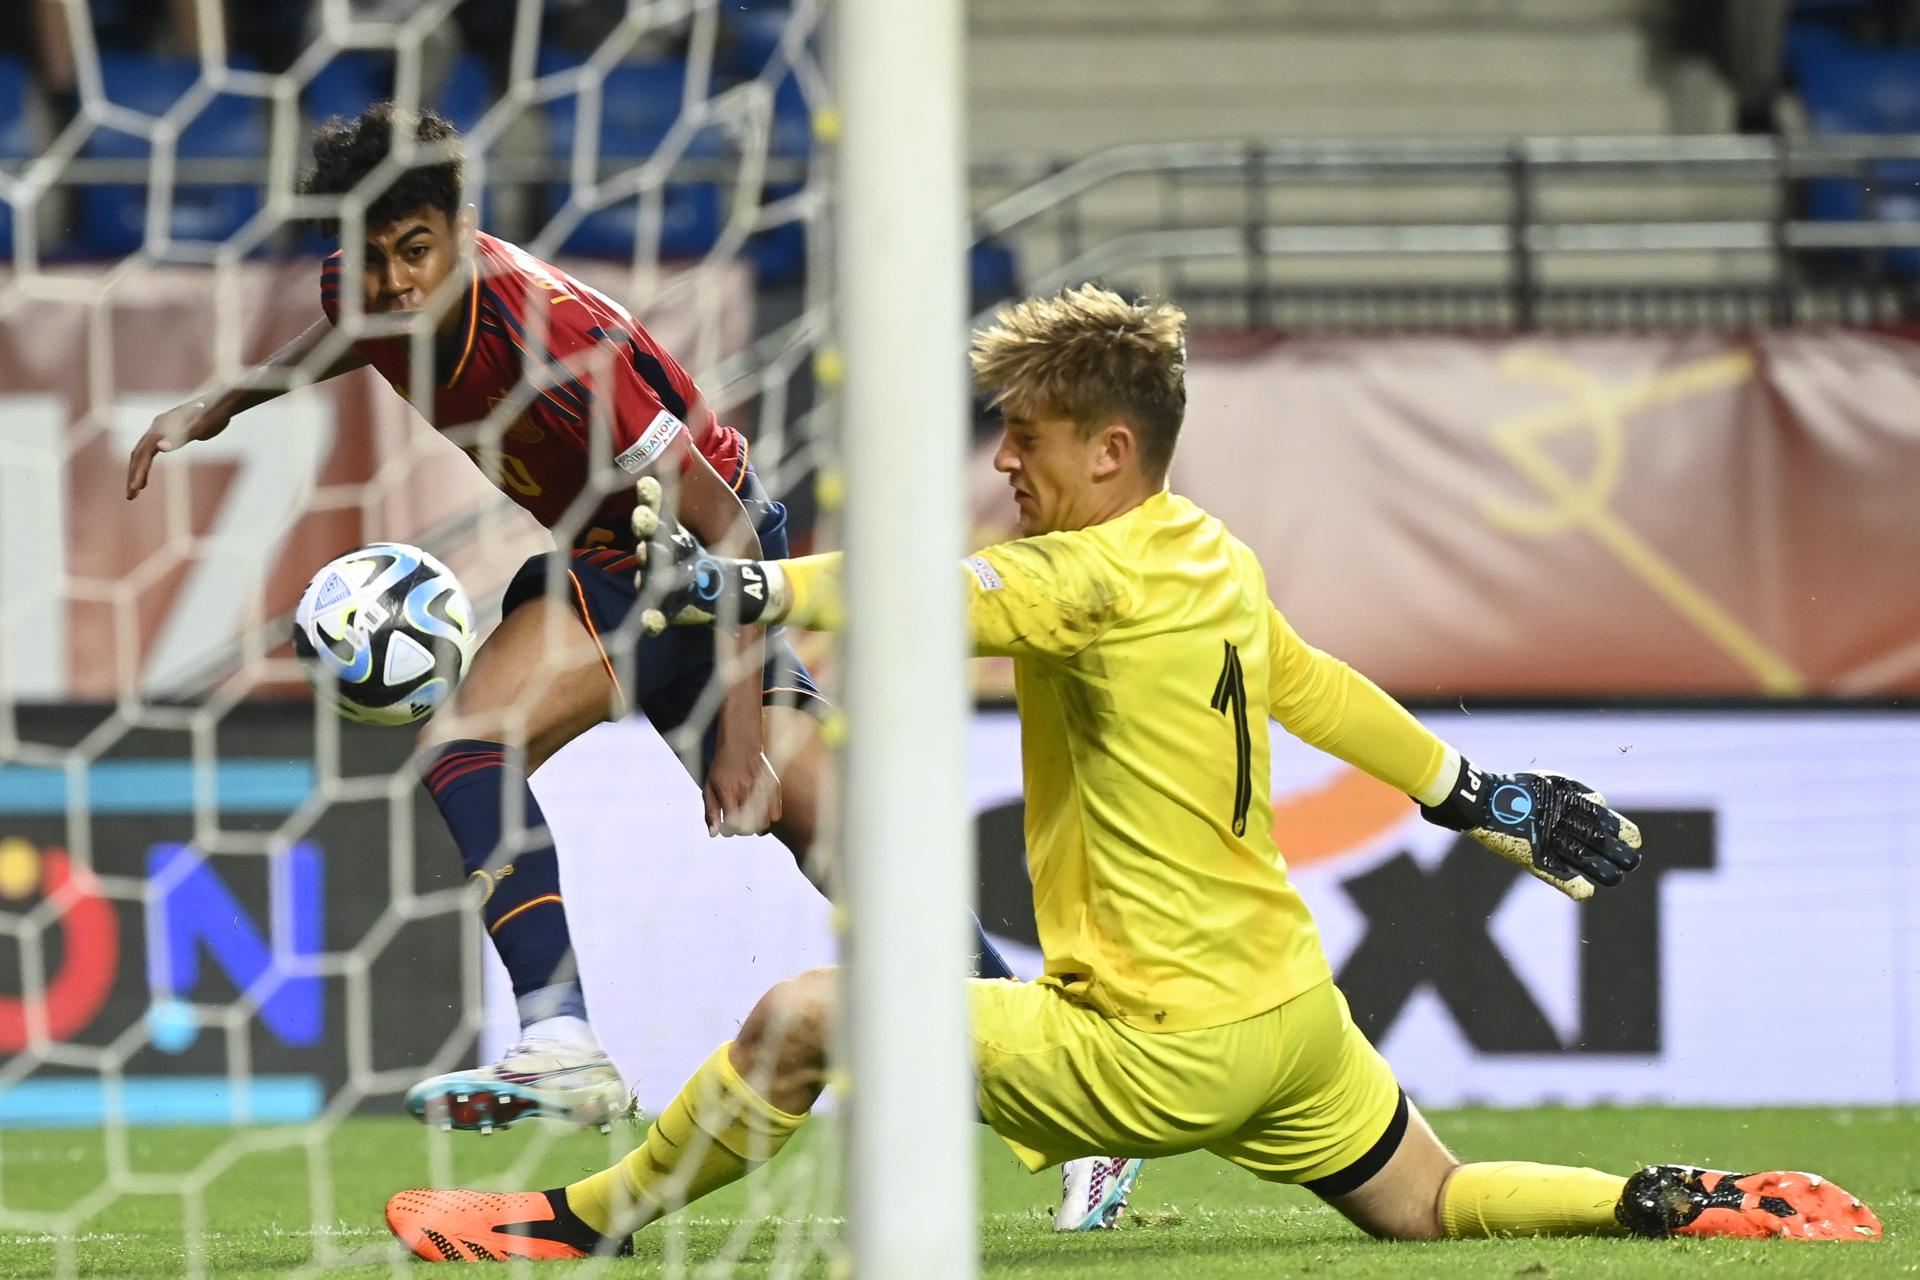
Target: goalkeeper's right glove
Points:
(682, 583)
(1550, 825)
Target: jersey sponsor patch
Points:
(659, 433)
(983, 569)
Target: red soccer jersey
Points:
(593, 385)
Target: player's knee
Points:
(793, 744)
(785, 1037)
(1415, 1217)
(794, 828)
(795, 831)
(1412, 1220)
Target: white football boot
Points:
(539, 1077)
(1094, 1191)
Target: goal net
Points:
(236, 930)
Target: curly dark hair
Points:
(346, 151)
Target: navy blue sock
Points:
(987, 960)
(474, 782)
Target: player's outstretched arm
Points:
(1548, 824)
(1553, 827)
(208, 416)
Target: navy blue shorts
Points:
(667, 675)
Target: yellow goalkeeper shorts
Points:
(1295, 1094)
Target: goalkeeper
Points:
(1187, 1003)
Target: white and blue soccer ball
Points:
(385, 633)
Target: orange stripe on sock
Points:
(580, 595)
(530, 903)
(446, 780)
(465, 757)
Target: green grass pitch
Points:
(264, 1191)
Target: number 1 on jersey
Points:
(1230, 691)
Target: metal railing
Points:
(1518, 259)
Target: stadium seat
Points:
(467, 93)
(1808, 42)
(779, 253)
(16, 135)
(228, 126)
(792, 120)
(748, 40)
(1851, 89)
(351, 82)
(993, 274)
(640, 101)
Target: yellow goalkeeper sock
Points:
(1513, 1198)
(715, 1132)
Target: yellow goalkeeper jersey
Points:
(1148, 660)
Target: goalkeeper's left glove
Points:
(1552, 826)
(681, 582)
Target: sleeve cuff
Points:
(1440, 780)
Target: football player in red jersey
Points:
(561, 398)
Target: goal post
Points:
(901, 247)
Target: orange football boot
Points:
(1677, 1200)
(492, 1226)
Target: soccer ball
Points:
(385, 633)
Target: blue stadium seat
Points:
(778, 253)
(351, 82)
(749, 38)
(792, 121)
(228, 126)
(1851, 89)
(468, 92)
(639, 103)
(1807, 42)
(463, 99)
(16, 135)
(993, 274)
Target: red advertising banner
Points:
(1572, 516)
(105, 598)
(1527, 516)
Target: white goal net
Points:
(234, 930)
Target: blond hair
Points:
(1092, 357)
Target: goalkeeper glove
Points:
(681, 582)
(1548, 824)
